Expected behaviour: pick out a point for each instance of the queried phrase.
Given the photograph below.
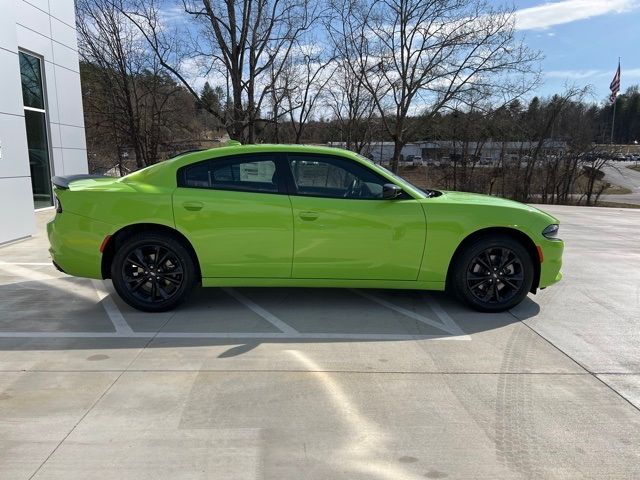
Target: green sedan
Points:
(295, 216)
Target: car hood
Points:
(488, 200)
(476, 198)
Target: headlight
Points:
(551, 232)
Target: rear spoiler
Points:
(63, 182)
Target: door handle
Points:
(193, 206)
(308, 215)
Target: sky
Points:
(581, 41)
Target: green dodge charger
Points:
(295, 216)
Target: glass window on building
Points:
(35, 117)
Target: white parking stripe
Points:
(232, 335)
(268, 316)
(29, 275)
(114, 314)
(446, 324)
(445, 317)
(48, 264)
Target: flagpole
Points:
(613, 120)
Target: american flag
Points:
(615, 85)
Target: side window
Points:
(197, 176)
(246, 174)
(334, 177)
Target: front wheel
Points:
(153, 272)
(493, 274)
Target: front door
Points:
(237, 215)
(344, 229)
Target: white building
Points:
(444, 150)
(41, 121)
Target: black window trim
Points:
(335, 158)
(281, 166)
(286, 184)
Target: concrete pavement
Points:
(326, 384)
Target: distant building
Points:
(439, 151)
(41, 117)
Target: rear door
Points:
(344, 229)
(237, 215)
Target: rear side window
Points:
(198, 176)
(246, 174)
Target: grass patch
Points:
(616, 190)
(616, 205)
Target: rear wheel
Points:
(153, 272)
(493, 274)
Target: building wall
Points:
(441, 150)
(45, 28)
(382, 152)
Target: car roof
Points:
(223, 152)
(218, 152)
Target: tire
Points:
(142, 283)
(492, 274)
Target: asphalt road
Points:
(326, 384)
(617, 173)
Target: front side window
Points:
(334, 177)
(247, 174)
(35, 117)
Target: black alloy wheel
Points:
(153, 272)
(493, 274)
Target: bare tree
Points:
(247, 42)
(134, 96)
(305, 83)
(351, 105)
(419, 55)
(277, 95)
(348, 98)
(540, 134)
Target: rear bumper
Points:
(75, 244)
(58, 267)
(552, 263)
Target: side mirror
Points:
(391, 191)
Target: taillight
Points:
(58, 205)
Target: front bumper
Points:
(75, 244)
(552, 262)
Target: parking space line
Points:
(235, 335)
(445, 317)
(114, 314)
(446, 324)
(30, 275)
(48, 264)
(268, 316)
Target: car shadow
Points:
(69, 313)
